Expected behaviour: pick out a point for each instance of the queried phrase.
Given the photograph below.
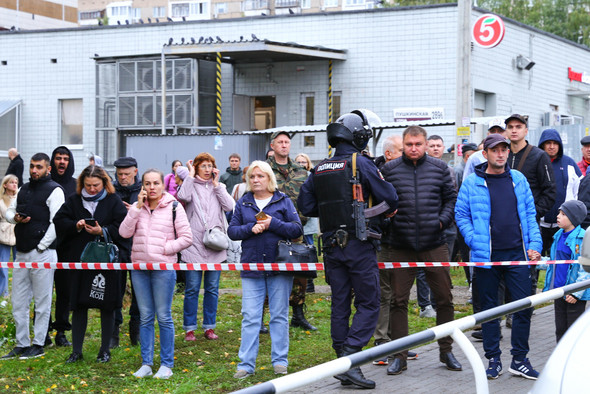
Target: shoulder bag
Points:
(100, 288)
(296, 253)
(98, 251)
(215, 237)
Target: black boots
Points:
(354, 375)
(299, 320)
(134, 331)
(115, 338)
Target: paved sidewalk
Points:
(428, 375)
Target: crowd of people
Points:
(505, 200)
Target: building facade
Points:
(97, 88)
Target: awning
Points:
(251, 51)
(7, 105)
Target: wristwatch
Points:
(40, 250)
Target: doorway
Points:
(264, 112)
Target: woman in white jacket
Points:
(205, 199)
(8, 192)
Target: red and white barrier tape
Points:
(255, 267)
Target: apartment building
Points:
(38, 14)
(158, 11)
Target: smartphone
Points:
(261, 216)
(91, 222)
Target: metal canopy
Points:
(7, 105)
(255, 51)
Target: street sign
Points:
(488, 31)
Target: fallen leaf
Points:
(54, 386)
(206, 352)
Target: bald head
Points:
(12, 153)
(392, 147)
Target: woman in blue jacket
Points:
(262, 217)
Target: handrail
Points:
(453, 329)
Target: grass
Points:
(201, 366)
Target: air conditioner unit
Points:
(551, 118)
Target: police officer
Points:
(349, 255)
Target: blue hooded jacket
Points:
(575, 272)
(473, 210)
(560, 170)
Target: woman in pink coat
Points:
(205, 199)
(155, 240)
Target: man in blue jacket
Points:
(495, 212)
(567, 181)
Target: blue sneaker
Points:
(494, 368)
(523, 368)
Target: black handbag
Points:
(98, 251)
(296, 253)
(99, 288)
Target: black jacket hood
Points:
(69, 171)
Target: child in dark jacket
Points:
(567, 244)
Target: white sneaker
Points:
(144, 371)
(428, 312)
(163, 373)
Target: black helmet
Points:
(355, 128)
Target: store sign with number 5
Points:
(488, 31)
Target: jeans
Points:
(5, 257)
(154, 291)
(254, 290)
(191, 299)
(518, 283)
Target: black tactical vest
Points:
(333, 190)
(32, 201)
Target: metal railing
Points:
(454, 329)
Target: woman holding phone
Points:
(264, 216)
(206, 199)
(94, 211)
(160, 229)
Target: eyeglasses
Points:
(206, 166)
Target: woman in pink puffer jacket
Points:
(149, 222)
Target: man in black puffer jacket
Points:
(427, 199)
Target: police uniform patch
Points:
(331, 166)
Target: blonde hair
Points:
(264, 167)
(307, 159)
(5, 180)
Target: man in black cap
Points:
(583, 164)
(495, 212)
(127, 186)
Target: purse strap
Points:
(106, 236)
(174, 205)
(528, 150)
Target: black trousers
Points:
(133, 309)
(62, 282)
(566, 314)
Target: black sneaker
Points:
(61, 340)
(14, 353)
(33, 352)
(48, 342)
(412, 355)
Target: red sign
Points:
(580, 77)
(488, 31)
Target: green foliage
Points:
(569, 19)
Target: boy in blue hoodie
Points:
(567, 245)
